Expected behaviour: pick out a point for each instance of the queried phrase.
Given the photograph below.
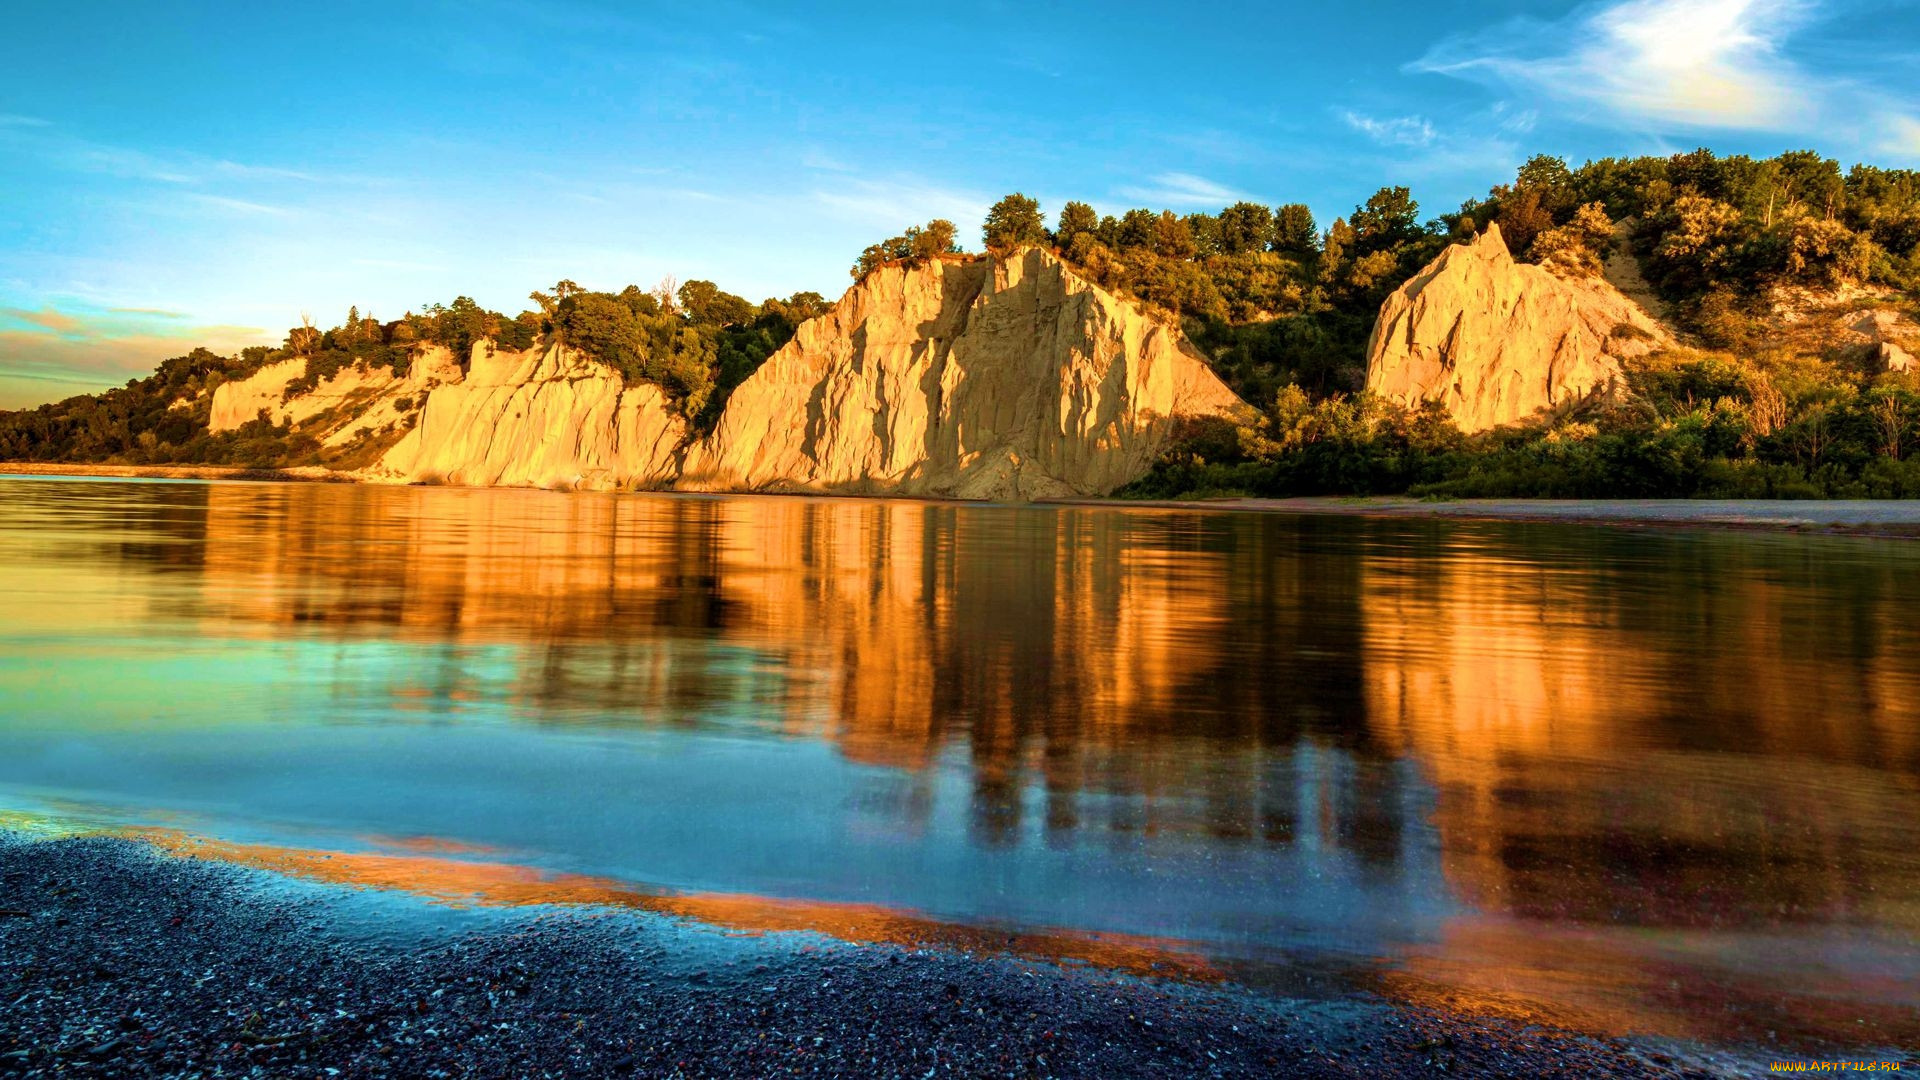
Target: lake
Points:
(1653, 781)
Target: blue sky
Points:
(177, 174)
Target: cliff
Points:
(355, 401)
(1497, 341)
(1008, 378)
(546, 417)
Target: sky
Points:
(205, 173)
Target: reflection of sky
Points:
(256, 737)
(1478, 752)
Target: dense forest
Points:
(1758, 399)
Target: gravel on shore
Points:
(118, 960)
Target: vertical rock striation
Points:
(546, 417)
(1008, 378)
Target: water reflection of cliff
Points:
(1683, 732)
(1087, 643)
(1080, 647)
(1705, 740)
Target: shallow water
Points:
(1637, 781)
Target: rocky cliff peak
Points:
(1002, 378)
(1498, 341)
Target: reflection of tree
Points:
(1710, 737)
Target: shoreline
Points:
(308, 474)
(121, 960)
(1885, 519)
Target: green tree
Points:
(603, 327)
(1245, 227)
(704, 302)
(1389, 219)
(1136, 229)
(1205, 230)
(1172, 238)
(1294, 231)
(1075, 218)
(1014, 221)
(940, 237)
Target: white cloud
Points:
(1184, 189)
(1395, 131)
(1902, 137)
(1517, 121)
(240, 206)
(1652, 64)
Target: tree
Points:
(1136, 230)
(1889, 414)
(643, 303)
(1523, 215)
(1389, 219)
(1335, 248)
(1172, 239)
(1014, 221)
(1294, 231)
(704, 302)
(1075, 218)
(603, 327)
(1547, 177)
(667, 294)
(303, 339)
(1578, 246)
(1244, 227)
(1205, 230)
(940, 237)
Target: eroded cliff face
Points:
(357, 401)
(1006, 379)
(546, 417)
(1497, 341)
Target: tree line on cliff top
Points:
(1282, 307)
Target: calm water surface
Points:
(1642, 781)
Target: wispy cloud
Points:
(241, 206)
(1651, 64)
(816, 158)
(47, 318)
(1393, 131)
(1512, 120)
(62, 149)
(1183, 189)
(894, 204)
(1902, 136)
